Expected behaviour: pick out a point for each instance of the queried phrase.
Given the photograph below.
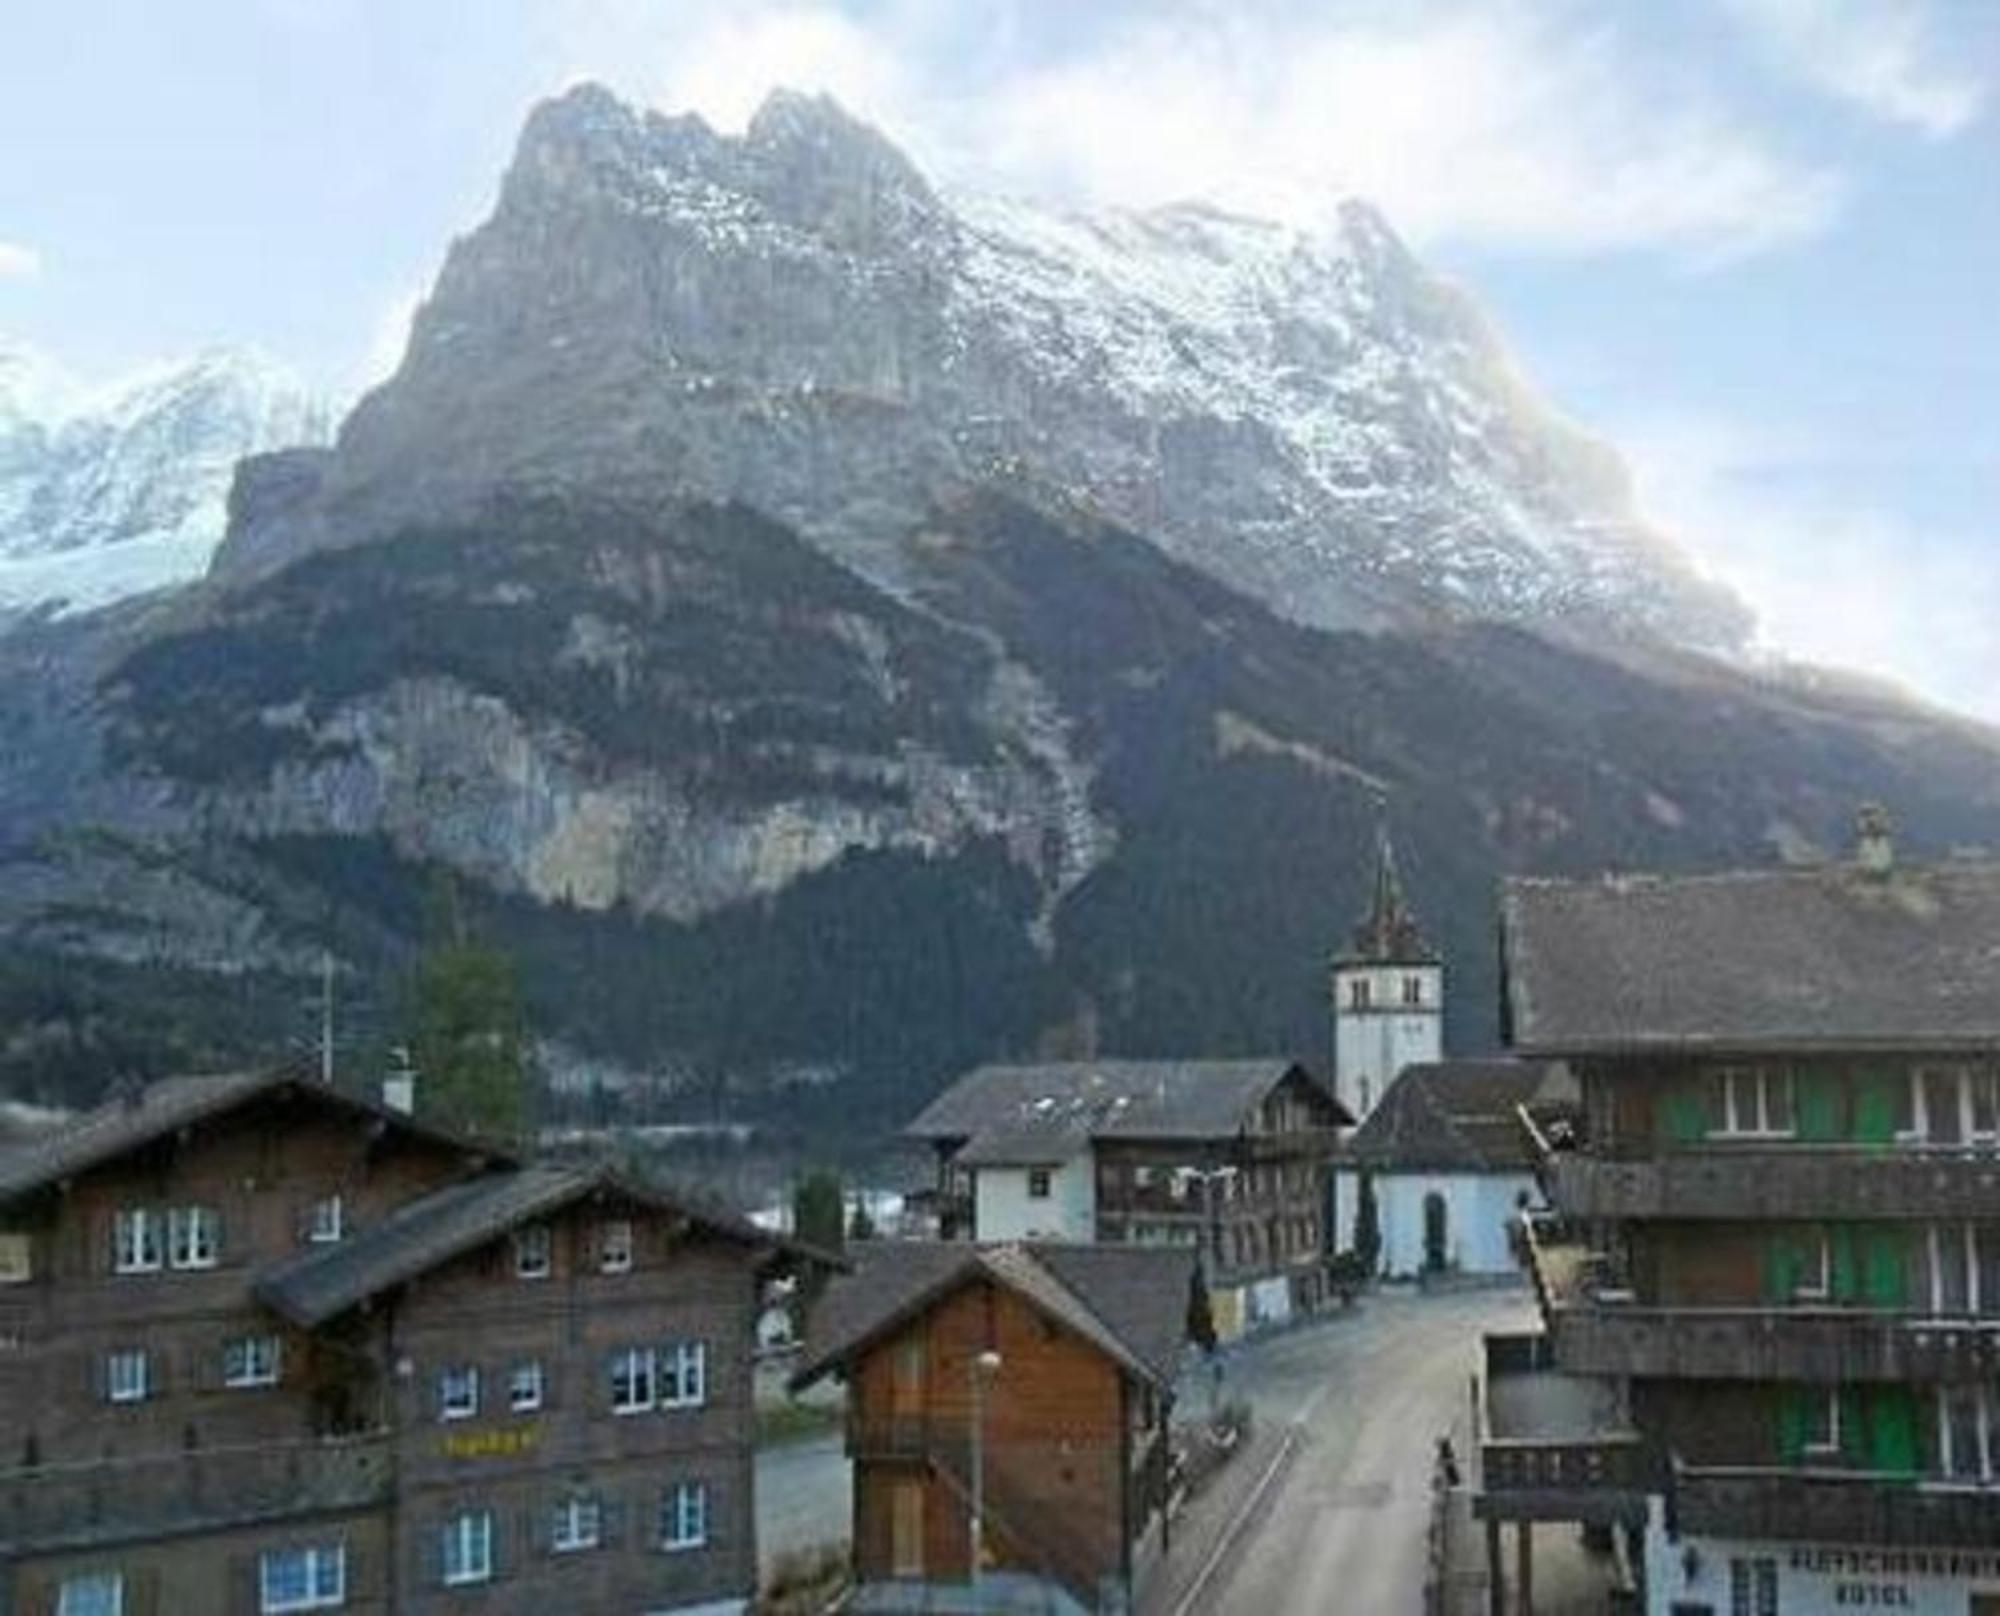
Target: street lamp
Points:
(984, 1367)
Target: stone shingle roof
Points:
(164, 1108)
(321, 1284)
(1128, 1301)
(1045, 1113)
(1838, 957)
(1453, 1116)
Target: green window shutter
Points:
(1892, 1431)
(1781, 1266)
(1791, 1424)
(1684, 1117)
(1854, 1429)
(1841, 1275)
(1875, 1108)
(1820, 1106)
(1882, 1275)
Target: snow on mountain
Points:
(112, 490)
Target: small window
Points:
(1822, 1420)
(1753, 1586)
(458, 1392)
(1750, 1102)
(135, 1241)
(468, 1548)
(684, 1516)
(192, 1237)
(250, 1360)
(614, 1246)
(310, 1578)
(683, 1374)
(532, 1247)
(92, 1593)
(127, 1377)
(1038, 1183)
(326, 1222)
(1413, 991)
(1964, 1441)
(1358, 995)
(579, 1524)
(632, 1381)
(524, 1386)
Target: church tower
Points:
(1388, 993)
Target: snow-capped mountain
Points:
(112, 490)
(796, 318)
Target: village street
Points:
(1328, 1508)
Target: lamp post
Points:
(984, 1367)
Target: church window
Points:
(1413, 990)
(1357, 994)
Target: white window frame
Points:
(468, 1539)
(323, 1592)
(128, 1375)
(683, 1374)
(684, 1517)
(534, 1252)
(1984, 1420)
(1966, 1078)
(579, 1524)
(251, 1360)
(1832, 1443)
(458, 1392)
(194, 1237)
(614, 1246)
(326, 1221)
(137, 1241)
(91, 1593)
(636, 1365)
(527, 1384)
(1753, 1121)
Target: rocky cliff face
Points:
(796, 319)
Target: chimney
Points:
(399, 1088)
(1874, 839)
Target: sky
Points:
(1753, 243)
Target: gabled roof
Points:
(1130, 1302)
(164, 1108)
(1786, 960)
(1453, 1116)
(319, 1285)
(1045, 1113)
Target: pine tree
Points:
(470, 1040)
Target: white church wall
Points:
(1479, 1207)
(1004, 1210)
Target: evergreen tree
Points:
(819, 1216)
(470, 1041)
(861, 1226)
(1367, 1228)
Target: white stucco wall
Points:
(1003, 1209)
(1479, 1208)
(1370, 1047)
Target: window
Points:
(1038, 1183)
(1953, 1261)
(92, 1593)
(1822, 1419)
(1948, 1105)
(458, 1392)
(135, 1241)
(1413, 990)
(684, 1516)
(311, 1578)
(250, 1360)
(524, 1386)
(127, 1377)
(468, 1548)
(325, 1221)
(632, 1373)
(1966, 1447)
(579, 1522)
(614, 1246)
(1358, 995)
(1750, 1102)
(1753, 1586)
(532, 1247)
(192, 1237)
(683, 1374)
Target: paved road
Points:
(804, 1496)
(1333, 1515)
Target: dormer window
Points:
(533, 1250)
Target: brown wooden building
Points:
(1228, 1159)
(1772, 1296)
(265, 1347)
(1073, 1413)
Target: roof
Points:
(1045, 1113)
(1128, 1301)
(321, 1284)
(164, 1108)
(1454, 1116)
(1797, 960)
(1388, 934)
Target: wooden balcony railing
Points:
(1825, 1345)
(47, 1507)
(1806, 1181)
(1839, 1507)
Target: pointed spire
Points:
(1388, 933)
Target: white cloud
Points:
(1831, 583)
(18, 262)
(726, 70)
(1879, 55)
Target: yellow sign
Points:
(503, 1444)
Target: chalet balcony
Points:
(1553, 1446)
(61, 1506)
(1803, 1181)
(1836, 1507)
(1825, 1345)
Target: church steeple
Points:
(1388, 933)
